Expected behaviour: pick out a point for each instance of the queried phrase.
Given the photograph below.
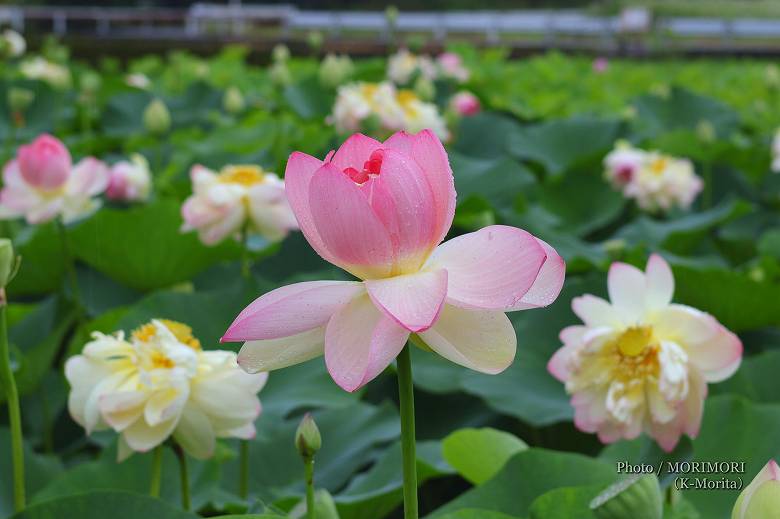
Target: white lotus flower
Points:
(238, 197)
(158, 384)
(656, 181)
(56, 75)
(131, 180)
(394, 109)
(639, 362)
(13, 43)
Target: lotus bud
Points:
(90, 82)
(307, 438)
(465, 103)
(705, 131)
(761, 498)
(157, 118)
(391, 15)
(280, 53)
(9, 264)
(661, 90)
(315, 39)
(233, 101)
(335, 70)
(772, 76)
(638, 497)
(424, 88)
(628, 113)
(20, 98)
(280, 74)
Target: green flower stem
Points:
(246, 259)
(309, 464)
(70, 268)
(157, 457)
(243, 478)
(707, 195)
(408, 448)
(14, 414)
(184, 475)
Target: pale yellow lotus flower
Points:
(160, 383)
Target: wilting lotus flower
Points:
(451, 66)
(656, 181)
(236, 198)
(640, 362)
(130, 181)
(379, 211)
(465, 103)
(761, 498)
(41, 183)
(161, 383)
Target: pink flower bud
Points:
(45, 163)
(466, 103)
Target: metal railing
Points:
(208, 19)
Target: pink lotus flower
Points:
(235, 198)
(641, 362)
(131, 180)
(379, 211)
(465, 103)
(451, 66)
(41, 183)
(600, 65)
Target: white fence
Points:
(236, 19)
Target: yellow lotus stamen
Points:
(635, 340)
(636, 354)
(160, 361)
(658, 166)
(182, 332)
(407, 98)
(244, 174)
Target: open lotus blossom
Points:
(404, 65)
(238, 198)
(42, 183)
(465, 103)
(761, 498)
(359, 105)
(776, 152)
(160, 383)
(640, 362)
(131, 180)
(39, 68)
(12, 44)
(656, 181)
(138, 80)
(451, 66)
(380, 211)
(622, 164)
